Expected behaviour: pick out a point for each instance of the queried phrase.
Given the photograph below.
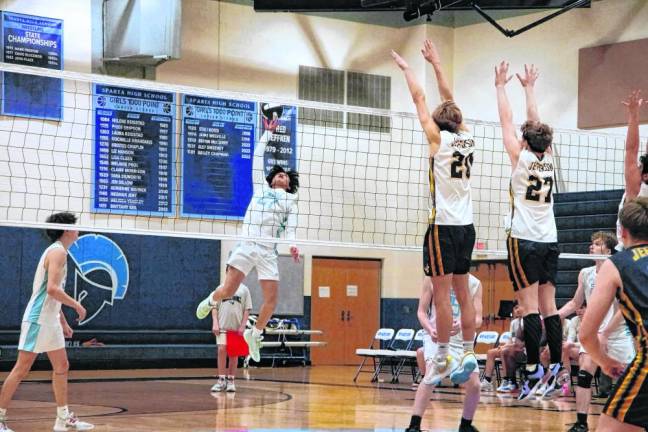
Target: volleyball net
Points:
(144, 157)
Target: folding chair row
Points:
(401, 347)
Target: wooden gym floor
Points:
(307, 398)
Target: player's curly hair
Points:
(59, 218)
(538, 135)
(644, 166)
(609, 238)
(448, 116)
(634, 218)
(293, 175)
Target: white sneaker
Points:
(437, 369)
(486, 386)
(205, 307)
(3, 425)
(254, 343)
(219, 386)
(71, 422)
(230, 386)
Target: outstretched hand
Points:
(531, 74)
(294, 252)
(430, 52)
(501, 74)
(399, 60)
(633, 102)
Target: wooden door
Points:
(345, 305)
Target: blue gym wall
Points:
(168, 276)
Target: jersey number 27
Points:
(534, 191)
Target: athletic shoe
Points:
(467, 365)
(205, 307)
(507, 386)
(566, 390)
(551, 380)
(486, 386)
(254, 343)
(578, 427)
(437, 369)
(541, 390)
(411, 429)
(230, 386)
(532, 382)
(469, 428)
(71, 422)
(4, 427)
(220, 386)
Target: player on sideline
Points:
(44, 327)
(635, 175)
(532, 243)
(624, 276)
(426, 316)
(613, 331)
(449, 241)
(272, 212)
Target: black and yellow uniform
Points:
(629, 400)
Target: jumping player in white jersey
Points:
(613, 331)
(44, 327)
(450, 238)
(532, 242)
(427, 319)
(635, 175)
(272, 212)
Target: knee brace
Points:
(584, 379)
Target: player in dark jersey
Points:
(624, 275)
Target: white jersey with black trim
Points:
(271, 212)
(450, 180)
(589, 281)
(643, 192)
(532, 183)
(473, 286)
(42, 308)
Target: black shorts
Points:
(629, 399)
(447, 249)
(530, 262)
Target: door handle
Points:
(348, 317)
(341, 315)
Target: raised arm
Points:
(528, 82)
(577, 301)
(432, 132)
(632, 171)
(258, 169)
(431, 54)
(511, 142)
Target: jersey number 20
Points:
(534, 193)
(461, 164)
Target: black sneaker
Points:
(469, 428)
(411, 429)
(578, 427)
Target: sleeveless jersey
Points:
(532, 183)
(643, 192)
(473, 285)
(450, 180)
(589, 279)
(632, 264)
(41, 308)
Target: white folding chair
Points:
(383, 335)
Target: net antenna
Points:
(512, 33)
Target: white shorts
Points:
(621, 350)
(39, 338)
(221, 339)
(248, 255)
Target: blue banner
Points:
(217, 143)
(32, 41)
(281, 122)
(134, 151)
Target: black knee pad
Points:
(584, 379)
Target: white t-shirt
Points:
(231, 310)
(450, 180)
(589, 281)
(473, 286)
(42, 308)
(271, 212)
(532, 184)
